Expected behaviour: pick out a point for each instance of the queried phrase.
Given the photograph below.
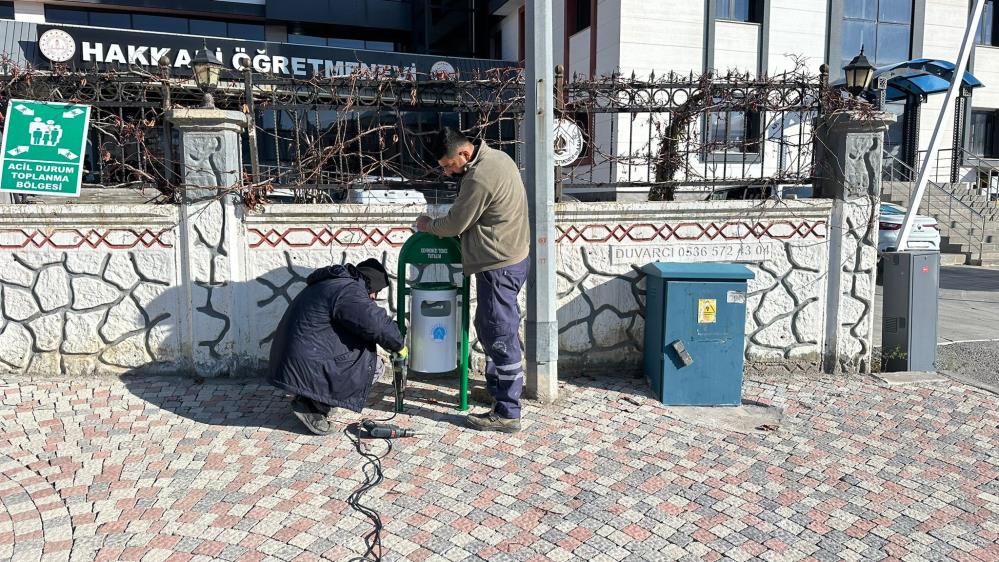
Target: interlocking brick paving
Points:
(170, 469)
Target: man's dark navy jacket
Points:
(324, 347)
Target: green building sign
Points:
(43, 144)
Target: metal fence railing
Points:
(727, 136)
(319, 139)
(959, 165)
(961, 221)
(322, 138)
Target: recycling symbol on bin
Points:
(438, 333)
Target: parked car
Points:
(925, 233)
(385, 197)
(740, 193)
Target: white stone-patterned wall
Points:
(100, 290)
(601, 299)
(88, 289)
(213, 248)
(602, 292)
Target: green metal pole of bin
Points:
(427, 249)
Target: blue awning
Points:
(918, 77)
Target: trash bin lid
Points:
(434, 286)
(716, 270)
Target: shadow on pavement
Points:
(966, 278)
(247, 400)
(433, 400)
(627, 382)
(240, 402)
(253, 403)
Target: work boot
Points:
(491, 421)
(317, 422)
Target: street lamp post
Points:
(858, 74)
(206, 74)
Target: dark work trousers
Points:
(497, 323)
(325, 409)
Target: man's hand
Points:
(400, 355)
(422, 223)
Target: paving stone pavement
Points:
(170, 469)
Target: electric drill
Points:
(386, 431)
(400, 370)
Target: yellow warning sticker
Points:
(707, 311)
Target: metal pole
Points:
(167, 139)
(560, 108)
(542, 322)
(957, 153)
(955, 85)
(251, 125)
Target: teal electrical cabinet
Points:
(695, 330)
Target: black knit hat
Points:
(374, 274)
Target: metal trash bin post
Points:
(695, 329)
(434, 343)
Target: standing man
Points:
(490, 216)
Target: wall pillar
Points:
(848, 154)
(210, 248)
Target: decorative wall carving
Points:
(348, 237)
(83, 238)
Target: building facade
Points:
(276, 39)
(457, 28)
(329, 37)
(595, 38)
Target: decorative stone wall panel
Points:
(83, 262)
(601, 301)
(84, 238)
(19, 304)
(13, 272)
(74, 294)
(133, 310)
(89, 293)
(15, 346)
(53, 288)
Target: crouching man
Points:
(324, 347)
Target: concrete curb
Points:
(908, 377)
(964, 379)
(982, 297)
(748, 417)
(942, 344)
